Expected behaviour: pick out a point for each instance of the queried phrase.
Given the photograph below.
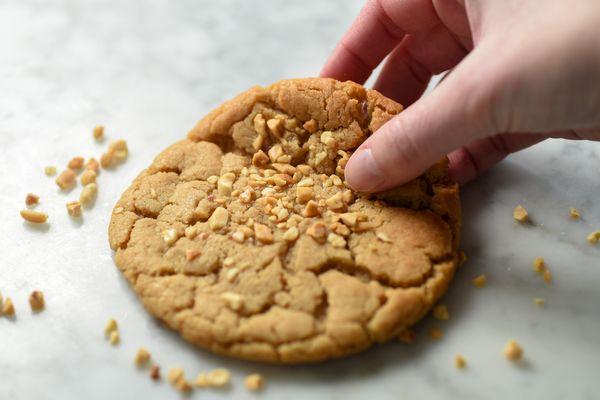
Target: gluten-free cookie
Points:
(245, 238)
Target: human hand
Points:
(521, 71)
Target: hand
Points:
(521, 71)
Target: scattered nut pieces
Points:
(275, 127)
(66, 179)
(155, 372)
(117, 152)
(35, 217)
(460, 362)
(32, 199)
(254, 382)
(335, 202)
(436, 333)
(407, 336)
(74, 208)
(50, 170)
(539, 265)
(216, 378)
(142, 357)
(169, 236)
(88, 193)
(440, 312)
(547, 275)
(263, 233)
(291, 234)
(98, 132)
(114, 338)
(76, 163)
(176, 377)
(310, 126)
(88, 176)
(218, 219)
(36, 301)
(574, 213)
(594, 237)
(93, 165)
(225, 184)
(8, 308)
(111, 326)
(311, 209)
(513, 351)
(260, 159)
(303, 194)
(539, 301)
(318, 231)
(480, 281)
(520, 214)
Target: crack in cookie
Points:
(245, 238)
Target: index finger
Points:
(379, 27)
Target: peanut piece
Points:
(35, 217)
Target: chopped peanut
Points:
(539, 265)
(291, 234)
(311, 209)
(275, 127)
(218, 219)
(513, 351)
(318, 231)
(233, 300)
(142, 357)
(547, 276)
(66, 179)
(50, 170)
(263, 234)
(335, 202)
(310, 126)
(8, 308)
(155, 372)
(76, 163)
(260, 159)
(480, 281)
(32, 199)
(98, 132)
(336, 240)
(114, 338)
(520, 214)
(176, 378)
(110, 327)
(594, 237)
(88, 193)
(574, 213)
(303, 194)
(254, 382)
(383, 237)
(93, 165)
(440, 312)
(88, 176)
(216, 378)
(36, 300)
(35, 217)
(74, 208)
(460, 362)
(169, 236)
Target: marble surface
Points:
(148, 71)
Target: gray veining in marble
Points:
(148, 71)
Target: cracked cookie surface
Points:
(245, 239)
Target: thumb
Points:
(456, 112)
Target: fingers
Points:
(411, 65)
(457, 112)
(475, 158)
(379, 27)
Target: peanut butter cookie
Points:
(245, 238)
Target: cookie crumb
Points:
(594, 237)
(142, 357)
(480, 281)
(114, 338)
(520, 214)
(440, 312)
(513, 351)
(66, 179)
(111, 326)
(407, 336)
(539, 265)
(436, 333)
(74, 208)
(155, 372)
(88, 193)
(574, 213)
(76, 163)
(88, 176)
(8, 308)
(254, 382)
(50, 170)
(460, 362)
(539, 301)
(35, 217)
(36, 301)
(98, 132)
(32, 199)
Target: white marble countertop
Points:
(149, 72)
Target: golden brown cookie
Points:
(245, 239)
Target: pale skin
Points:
(521, 71)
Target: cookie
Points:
(245, 238)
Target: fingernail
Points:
(362, 172)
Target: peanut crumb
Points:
(36, 301)
(88, 193)
(513, 351)
(98, 132)
(93, 165)
(191, 254)
(50, 170)
(155, 372)
(275, 127)
(407, 336)
(225, 184)
(594, 237)
(436, 333)
(539, 265)
(218, 219)
(291, 234)
(8, 308)
(142, 357)
(336, 240)
(262, 233)
(311, 209)
(539, 301)
(32, 199)
(111, 326)
(574, 213)
(218, 377)
(318, 231)
(460, 362)
(169, 236)
(66, 179)
(547, 276)
(310, 126)
(254, 382)
(303, 194)
(234, 301)
(238, 236)
(520, 214)
(114, 338)
(88, 176)
(176, 377)
(335, 202)
(35, 217)
(76, 163)
(480, 281)
(383, 237)
(74, 208)
(440, 312)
